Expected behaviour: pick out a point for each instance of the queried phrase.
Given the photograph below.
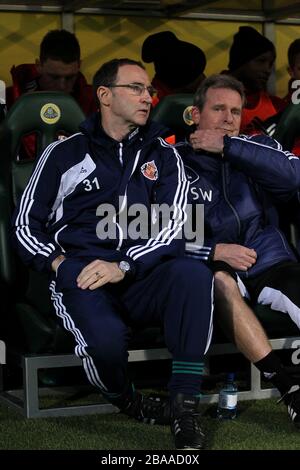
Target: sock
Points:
(274, 371)
(123, 399)
(186, 378)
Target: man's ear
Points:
(196, 115)
(104, 95)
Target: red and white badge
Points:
(149, 170)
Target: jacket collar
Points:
(92, 128)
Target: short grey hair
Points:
(218, 81)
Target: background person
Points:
(57, 69)
(179, 65)
(293, 67)
(251, 60)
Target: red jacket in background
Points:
(25, 79)
(259, 107)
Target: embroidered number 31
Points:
(89, 184)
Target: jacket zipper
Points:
(227, 199)
(121, 153)
(124, 200)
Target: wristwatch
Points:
(125, 267)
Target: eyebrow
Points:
(223, 105)
(139, 83)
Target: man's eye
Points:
(136, 88)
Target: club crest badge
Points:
(50, 113)
(149, 170)
(187, 115)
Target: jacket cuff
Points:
(211, 254)
(51, 258)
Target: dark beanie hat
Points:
(177, 63)
(247, 44)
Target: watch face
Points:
(124, 266)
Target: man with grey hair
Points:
(236, 177)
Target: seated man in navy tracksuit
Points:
(236, 177)
(70, 222)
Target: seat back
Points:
(174, 112)
(288, 127)
(46, 114)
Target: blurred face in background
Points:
(56, 75)
(294, 71)
(256, 73)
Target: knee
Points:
(225, 285)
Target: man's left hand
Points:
(98, 273)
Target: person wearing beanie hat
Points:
(251, 59)
(248, 44)
(179, 65)
(294, 72)
(293, 67)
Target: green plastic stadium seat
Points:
(288, 127)
(174, 112)
(46, 114)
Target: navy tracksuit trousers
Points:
(176, 294)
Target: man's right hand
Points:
(208, 139)
(238, 257)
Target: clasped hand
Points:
(209, 140)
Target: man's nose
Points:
(228, 116)
(146, 97)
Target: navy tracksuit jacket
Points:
(58, 215)
(239, 190)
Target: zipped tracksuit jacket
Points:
(239, 190)
(59, 214)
